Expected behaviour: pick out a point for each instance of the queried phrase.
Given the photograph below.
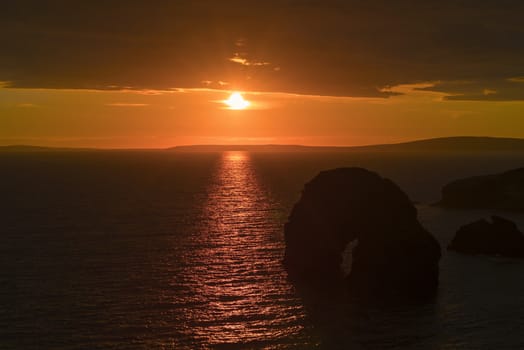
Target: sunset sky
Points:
(156, 73)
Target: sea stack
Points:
(394, 256)
(499, 237)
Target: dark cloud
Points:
(481, 90)
(328, 47)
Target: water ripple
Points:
(238, 293)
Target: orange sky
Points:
(154, 118)
(103, 74)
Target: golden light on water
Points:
(237, 102)
(234, 272)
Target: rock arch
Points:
(395, 254)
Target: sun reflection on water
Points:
(238, 292)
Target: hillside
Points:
(447, 144)
(467, 144)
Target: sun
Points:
(236, 101)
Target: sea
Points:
(183, 250)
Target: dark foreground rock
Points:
(499, 237)
(395, 255)
(503, 191)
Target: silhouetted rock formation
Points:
(395, 255)
(500, 237)
(501, 191)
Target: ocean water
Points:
(164, 250)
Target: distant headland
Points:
(466, 144)
(444, 144)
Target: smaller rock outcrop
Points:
(499, 237)
(503, 191)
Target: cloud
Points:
(317, 47)
(119, 104)
(246, 62)
(479, 90)
(26, 105)
(209, 84)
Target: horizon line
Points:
(168, 148)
